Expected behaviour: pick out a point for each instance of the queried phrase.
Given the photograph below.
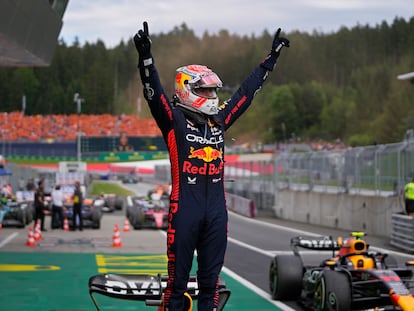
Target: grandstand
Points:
(19, 127)
(29, 30)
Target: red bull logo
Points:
(207, 154)
(205, 169)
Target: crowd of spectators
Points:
(321, 145)
(16, 126)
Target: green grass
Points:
(99, 187)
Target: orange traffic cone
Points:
(116, 238)
(66, 224)
(30, 238)
(38, 233)
(126, 225)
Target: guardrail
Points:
(402, 235)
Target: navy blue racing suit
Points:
(198, 214)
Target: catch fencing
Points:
(379, 170)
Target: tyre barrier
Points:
(402, 234)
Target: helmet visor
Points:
(208, 80)
(206, 92)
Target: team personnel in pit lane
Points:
(193, 125)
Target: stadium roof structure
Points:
(29, 30)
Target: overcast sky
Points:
(113, 20)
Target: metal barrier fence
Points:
(402, 232)
(381, 169)
(373, 170)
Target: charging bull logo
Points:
(207, 154)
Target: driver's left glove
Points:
(278, 43)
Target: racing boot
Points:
(188, 303)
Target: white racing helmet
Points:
(196, 87)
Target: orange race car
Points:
(352, 279)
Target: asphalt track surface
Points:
(53, 275)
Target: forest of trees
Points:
(337, 85)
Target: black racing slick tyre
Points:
(333, 292)
(138, 219)
(285, 277)
(118, 203)
(21, 216)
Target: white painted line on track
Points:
(266, 224)
(388, 251)
(251, 247)
(8, 239)
(256, 289)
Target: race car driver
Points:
(193, 125)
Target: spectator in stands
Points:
(123, 144)
(409, 197)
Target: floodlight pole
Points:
(78, 100)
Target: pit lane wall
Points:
(241, 205)
(369, 213)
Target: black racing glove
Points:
(278, 43)
(143, 45)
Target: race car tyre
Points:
(137, 216)
(29, 211)
(21, 216)
(333, 292)
(97, 224)
(96, 218)
(285, 277)
(118, 204)
(29, 215)
(137, 222)
(109, 202)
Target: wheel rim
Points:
(319, 295)
(273, 277)
(325, 301)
